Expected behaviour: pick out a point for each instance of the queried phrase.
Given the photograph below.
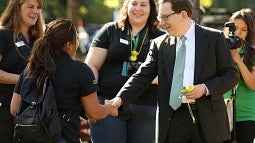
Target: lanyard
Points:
(133, 50)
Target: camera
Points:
(130, 67)
(133, 67)
(233, 41)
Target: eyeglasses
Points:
(165, 18)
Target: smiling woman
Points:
(20, 25)
(115, 54)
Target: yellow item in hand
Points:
(185, 90)
(191, 88)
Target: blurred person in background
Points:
(115, 54)
(73, 81)
(83, 37)
(244, 57)
(21, 24)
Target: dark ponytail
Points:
(46, 50)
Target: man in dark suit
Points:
(201, 116)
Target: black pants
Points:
(182, 128)
(6, 125)
(245, 131)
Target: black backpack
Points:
(37, 119)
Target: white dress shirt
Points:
(188, 78)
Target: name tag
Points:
(20, 43)
(123, 41)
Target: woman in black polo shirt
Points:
(20, 25)
(73, 81)
(115, 54)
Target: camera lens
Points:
(234, 42)
(133, 67)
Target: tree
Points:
(233, 5)
(3, 4)
(73, 7)
(54, 9)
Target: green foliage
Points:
(97, 12)
(54, 9)
(3, 4)
(234, 5)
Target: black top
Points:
(117, 42)
(73, 80)
(15, 59)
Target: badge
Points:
(123, 41)
(124, 69)
(20, 43)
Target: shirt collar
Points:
(241, 52)
(190, 34)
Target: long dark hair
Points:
(45, 50)
(152, 19)
(249, 52)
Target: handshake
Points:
(113, 105)
(109, 107)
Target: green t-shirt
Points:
(245, 100)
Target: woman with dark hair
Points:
(244, 57)
(21, 24)
(115, 54)
(73, 81)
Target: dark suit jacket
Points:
(213, 66)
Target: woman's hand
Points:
(236, 57)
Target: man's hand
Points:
(198, 91)
(116, 101)
(114, 109)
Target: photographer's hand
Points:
(236, 57)
(247, 75)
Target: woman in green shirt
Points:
(244, 57)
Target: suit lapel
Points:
(201, 48)
(169, 56)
